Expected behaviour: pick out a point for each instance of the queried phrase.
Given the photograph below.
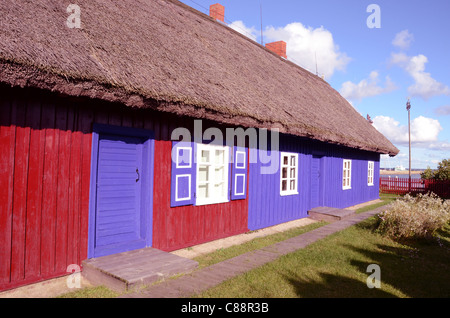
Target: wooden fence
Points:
(403, 186)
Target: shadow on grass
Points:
(335, 286)
(415, 268)
(405, 272)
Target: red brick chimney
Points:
(217, 11)
(278, 47)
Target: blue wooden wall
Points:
(267, 207)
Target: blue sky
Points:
(405, 54)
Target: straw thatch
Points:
(164, 55)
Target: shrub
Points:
(414, 217)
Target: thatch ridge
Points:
(164, 55)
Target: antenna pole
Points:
(315, 54)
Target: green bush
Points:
(414, 217)
(441, 173)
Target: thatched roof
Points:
(164, 55)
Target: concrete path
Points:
(208, 277)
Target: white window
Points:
(289, 174)
(212, 174)
(347, 175)
(370, 171)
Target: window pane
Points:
(219, 189)
(203, 174)
(292, 173)
(203, 192)
(284, 185)
(219, 156)
(292, 185)
(220, 174)
(292, 161)
(205, 156)
(284, 173)
(285, 160)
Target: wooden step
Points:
(328, 214)
(130, 270)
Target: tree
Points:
(443, 171)
(427, 174)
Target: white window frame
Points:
(212, 181)
(370, 172)
(347, 174)
(178, 165)
(288, 177)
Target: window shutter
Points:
(183, 174)
(239, 174)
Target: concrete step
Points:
(130, 270)
(328, 214)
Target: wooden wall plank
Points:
(74, 189)
(62, 191)
(34, 191)
(21, 157)
(7, 143)
(86, 120)
(49, 187)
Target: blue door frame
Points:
(142, 142)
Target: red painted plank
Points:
(86, 119)
(74, 189)
(7, 140)
(62, 199)
(20, 191)
(49, 187)
(34, 192)
(159, 222)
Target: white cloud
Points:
(240, 27)
(306, 46)
(403, 39)
(424, 132)
(443, 110)
(366, 87)
(424, 85)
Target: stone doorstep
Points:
(329, 214)
(130, 270)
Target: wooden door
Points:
(122, 213)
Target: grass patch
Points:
(336, 267)
(91, 292)
(385, 200)
(257, 243)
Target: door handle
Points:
(138, 176)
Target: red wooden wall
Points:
(44, 186)
(45, 148)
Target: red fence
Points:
(402, 186)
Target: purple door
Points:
(316, 193)
(122, 210)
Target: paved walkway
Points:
(208, 277)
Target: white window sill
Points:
(288, 193)
(370, 185)
(346, 188)
(215, 201)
